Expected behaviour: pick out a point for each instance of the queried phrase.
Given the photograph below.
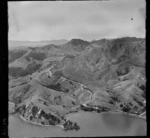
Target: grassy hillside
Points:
(20, 72)
(37, 55)
(13, 55)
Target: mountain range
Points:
(106, 73)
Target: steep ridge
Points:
(75, 45)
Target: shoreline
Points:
(62, 127)
(38, 124)
(112, 112)
(133, 115)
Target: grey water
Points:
(91, 124)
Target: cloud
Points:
(48, 21)
(65, 20)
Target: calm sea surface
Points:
(91, 124)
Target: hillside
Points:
(99, 76)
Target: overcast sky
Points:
(87, 20)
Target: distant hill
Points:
(119, 49)
(17, 44)
(27, 61)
